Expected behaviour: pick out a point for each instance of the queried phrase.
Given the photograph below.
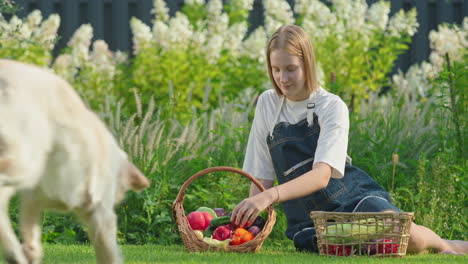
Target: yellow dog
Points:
(57, 154)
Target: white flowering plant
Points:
(207, 43)
(196, 56)
(90, 67)
(356, 45)
(30, 39)
(449, 45)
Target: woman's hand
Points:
(246, 211)
(310, 182)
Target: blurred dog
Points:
(57, 154)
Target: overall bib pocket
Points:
(321, 200)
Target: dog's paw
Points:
(16, 260)
(33, 254)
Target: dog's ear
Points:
(137, 181)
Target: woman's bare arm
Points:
(310, 182)
(267, 184)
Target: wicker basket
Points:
(373, 234)
(192, 243)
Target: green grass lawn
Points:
(270, 253)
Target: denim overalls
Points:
(292, 149)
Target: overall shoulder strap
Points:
(276, 116)
(311, 108)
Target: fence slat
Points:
(443, 11)
(145, 7)
(465, 8)
(395, 6)
(46, 7)
(256, 16)
(174, 5)
(24, 10)
(421, 51)
(96, 13)
(70, 19)
(120, 24)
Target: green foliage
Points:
(24, 50)
(14, 45)
(236, 13)
(93, 85)
(443, 209)
(9, 7)
(389, 125)
(360, 69)
(190, 78)
(195, 13)
(430, 177)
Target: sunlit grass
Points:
(271, 253)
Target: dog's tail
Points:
(136, 179)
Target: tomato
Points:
(208, 218)
(387, 247)
(338, 250)
(380, 246)
(199, 220)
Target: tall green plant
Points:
(405, 144)
(452, 93)
(389, 125)
(441, 208)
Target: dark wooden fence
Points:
(110, 19)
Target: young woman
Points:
(300, 135)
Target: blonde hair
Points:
(294, 40)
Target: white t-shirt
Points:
(333, 119)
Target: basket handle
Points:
(180, 196)
(192, 243)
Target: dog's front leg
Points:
(30, 227)
(102, 231)
(8, 241)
